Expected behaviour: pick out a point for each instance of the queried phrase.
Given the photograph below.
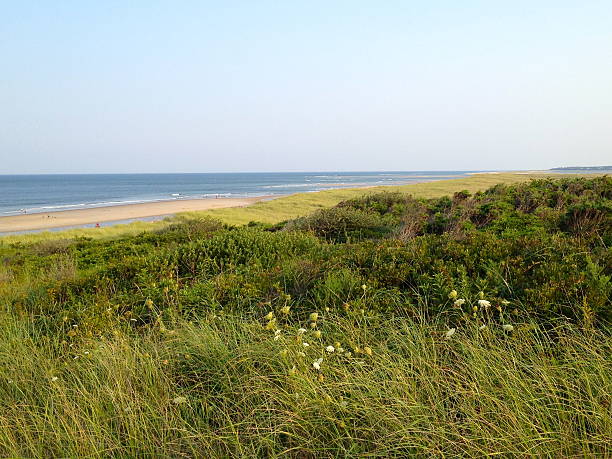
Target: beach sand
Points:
(64, 218)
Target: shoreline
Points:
(122, 213)
(77, 217)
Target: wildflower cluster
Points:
(481, 311)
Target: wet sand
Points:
(63, 218)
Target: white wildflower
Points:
(301, 331)
(460, 302)
(484, 304)
(301, 354)
(330, 349)
(450, 333)
(305, 344)
(317, 363)
(482, 327)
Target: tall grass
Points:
(191, 341)
(225, 387)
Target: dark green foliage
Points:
(543, 246)
(344, 224)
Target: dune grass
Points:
(225, 387)
(279, 209)
(203, 340)
(297, 205)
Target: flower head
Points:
(508, 327)
(330, 349)
(269, 316)
(484, 304)
(285, 309)
(317, 364)
(367, 350)
(178, 400)
(301, 331)
(453, 294)
(317, 334)
(450, 332)
(314, 316)
(460, 302)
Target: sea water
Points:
(47, 193)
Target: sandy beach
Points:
(64, 218)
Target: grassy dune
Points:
(301, 204)
(284, 208)
(386, 327)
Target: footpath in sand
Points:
(64, 218)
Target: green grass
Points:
(106, 232)
(461, 327)
(223, 387)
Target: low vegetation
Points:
(467, 324)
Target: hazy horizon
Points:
(165, 87)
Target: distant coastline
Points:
(582, 168)
(117, 213)
(29, 194)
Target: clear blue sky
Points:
(197, 86)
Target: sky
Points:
(227, 86)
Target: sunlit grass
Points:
(301, 204)
(226, 387)
(106, 232)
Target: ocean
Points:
(48, 193)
